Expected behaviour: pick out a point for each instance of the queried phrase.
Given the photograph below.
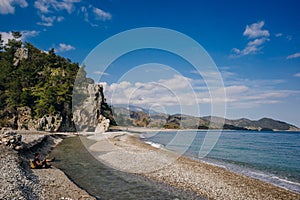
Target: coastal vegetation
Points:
(30, 77)
(36, 84)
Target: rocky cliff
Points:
(92, 115)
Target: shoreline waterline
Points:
(246, 169)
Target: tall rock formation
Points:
(92, 114)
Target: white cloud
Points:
(295, 55)
(64, 47)
(257, 38)
(166, 92)
(60, 18)
(28, 34)
(85, 13)
(25, 35)
(101, 15)
(183, 91)
(47, 6)
(257, 42)
(48, 9)
(101, 73)
(6, 36)
(278, 35)
(250, 93)
(297, 75)
(255, 30)
(8, 6)
(47, 21)
(236, 89)
(252, 47)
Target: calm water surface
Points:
(269, 156)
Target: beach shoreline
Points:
(205, 179)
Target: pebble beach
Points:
(18, 181)
(124, 151)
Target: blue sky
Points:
(255, 45)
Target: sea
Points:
(273, 157)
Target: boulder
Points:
(103, 125)
(48, 123)
(11, 139)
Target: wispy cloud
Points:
(47, 6)
(284, 36)
(64, 47)
(25, 35)
(255, 30)
(48, 10)
(51, 11)
(28, 34)
(101, 15)
(101, 73)
(91, 13)
(297, 75)
(295, 55)
(257, 36)
(47, 21)
(8, 6)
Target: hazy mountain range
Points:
(140, 117)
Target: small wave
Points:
(214, 164)
(260, 175)
(268, 177)
(286, 181)
(142, 136)
(155, 145)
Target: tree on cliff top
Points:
(39, 80)
(42, 81)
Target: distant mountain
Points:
(263, 124)
(137, 116)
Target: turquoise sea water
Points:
(269, 156)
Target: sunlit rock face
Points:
(87, 115)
